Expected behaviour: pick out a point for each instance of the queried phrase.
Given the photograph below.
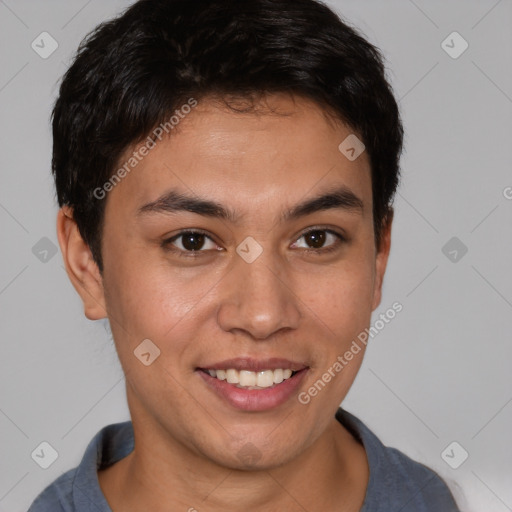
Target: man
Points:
(225, 171)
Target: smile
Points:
(254, 385)
(246, 379)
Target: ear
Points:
(81, 268)
(381, 259)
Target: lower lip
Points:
(255, 399)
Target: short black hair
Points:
(132, 72)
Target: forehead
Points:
(265, 158)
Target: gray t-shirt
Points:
(396, 484)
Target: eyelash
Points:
(168, 243)
(323, 250)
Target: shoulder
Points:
(396, 481)
(78, 489)
(57, 497)
(416, 487)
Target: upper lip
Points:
(255, 365)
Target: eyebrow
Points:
(174, 201)
(340, 198)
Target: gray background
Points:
(438, 373)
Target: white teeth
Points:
(252, 380)
(278, 376)
(265, 379)
(232, 376)
(247, 378)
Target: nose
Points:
(258, 299)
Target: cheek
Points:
(340, 299)
(340, 310)
(152, 299)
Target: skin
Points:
(291, 303)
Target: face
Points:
(243, 247)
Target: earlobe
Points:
(382, 259)
(80, 266)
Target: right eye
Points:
(191, 242)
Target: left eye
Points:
(318, 239)
(192, 241)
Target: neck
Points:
(162, 474)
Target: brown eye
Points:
(319, 240)
(315, 239)
(191, 241)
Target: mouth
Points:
(251, 385)
(246, 379)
